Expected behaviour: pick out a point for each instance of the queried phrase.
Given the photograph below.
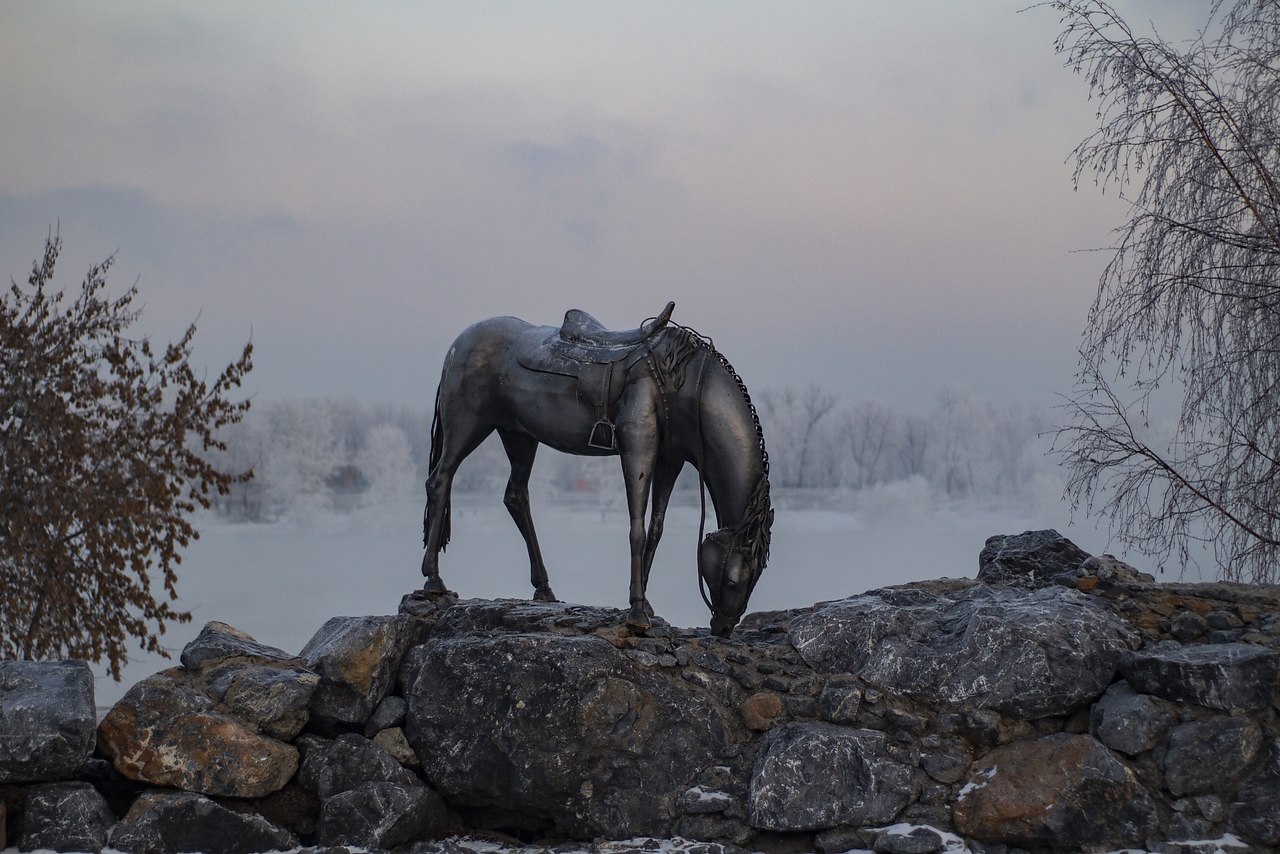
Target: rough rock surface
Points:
(218, 642)
(65, 817)
(166, 823)
(1032, 556)
(164, 731)
(47, 719)
(576, 731)
(1065, 791)
(383, 815)
(1202, 754)
(357, 659)
(1027, 654)
(1218, 676)
(815, 775)
(1130, 722)
(349, 761)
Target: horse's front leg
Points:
(664, 480)
(638, 440)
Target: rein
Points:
(757, 513)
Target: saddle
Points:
(596, 357)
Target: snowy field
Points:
(281, 581)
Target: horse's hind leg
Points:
(457, 440)
(521, 449)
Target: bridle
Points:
(728, 542)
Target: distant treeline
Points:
(326, 454)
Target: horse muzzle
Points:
(722, 627)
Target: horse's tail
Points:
(437, 450)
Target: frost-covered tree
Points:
(103, 445)
(1190, 302)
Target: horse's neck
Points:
(729, 456)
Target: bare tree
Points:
(1190, 136)
(102, 444)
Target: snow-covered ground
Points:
(281, 581)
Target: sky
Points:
(876, 197)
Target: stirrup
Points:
(603, 436)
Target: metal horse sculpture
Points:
(658, 396)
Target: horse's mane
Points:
(752, 534)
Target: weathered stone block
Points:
(1217, 676)
(218, 642)
(47, 720)
(347, 762)
(1129, 722)
(1035, 556)
(357, 659)
(1027, 654)
(165, 732)
(167, 823)
(65, 817)
(817, 775)
(1255, 815)
(383, 815)
(1205, 755)
(1067, 791)
(563, 729)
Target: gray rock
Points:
(347, 762)
(1206, 755)
(945, 767)
(839, 700)
(1129, 722)
(1027, 654)
(357, 659)
(383, 815)
(166, 732)
(1188, 626)
(559, 729)
(1110, 568)
(1067, 791)
(1255, 815)
(394, 742)
(811, 776)
(65, 817)
(169, 823)
(218, 642)
(390, 713)
(1217, 676)
(1032, 556)
(274, 700)
(917, 840)
(47, 720)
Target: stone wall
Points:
(1058, 702)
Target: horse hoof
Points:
(638, 620)
(434, 586)
(544, 594)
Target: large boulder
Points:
(47, 720)
(1067, 792)
(166, 732)
(1027, 654)
(815, 775)
(1256, 813)
(1217, 676)
(383, 815)
(1203, 755)
(349, 761)
(1030, 557)
(65, 817)
(357, 659)
(561, 730)
(176, 822)
(1130, 722)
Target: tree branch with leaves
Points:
(103, 457)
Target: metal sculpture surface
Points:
(658, 396)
